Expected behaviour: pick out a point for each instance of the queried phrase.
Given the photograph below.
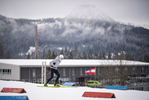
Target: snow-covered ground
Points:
(74, 93)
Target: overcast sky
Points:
(132, 11)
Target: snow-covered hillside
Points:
(86, 27)
(74, 93)
(89, 12)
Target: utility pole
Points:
(43, 73)
(45, 78)
(36, 43)
(42, 81)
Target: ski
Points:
(55, 86)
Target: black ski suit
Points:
(53, 67)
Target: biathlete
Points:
(53, 67)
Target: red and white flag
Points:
(91, 71)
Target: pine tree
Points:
(70, 55)
(53, 55)
(95, 55)
(1, 52)
(84, 55)
(102, 55)
(90, 54)
(109, 55)
(146, 58)
(44, 54)
(7, 55)
(28, 56)
(66, 50)
(49, 55)
(76, 54)
(128, 56)
(80, 56)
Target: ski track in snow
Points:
(74, 93)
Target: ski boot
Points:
(57, 85)
(45, 84)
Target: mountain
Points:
(88, 12)
(89, 30)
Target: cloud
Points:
(31, 50)
(100, 30)
(69, 32)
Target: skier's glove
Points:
(51, 65)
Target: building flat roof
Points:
(71, 62)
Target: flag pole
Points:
(95, 73)
(95, 76)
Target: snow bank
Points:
(74, 93)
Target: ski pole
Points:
(48, 73)
(42, 73)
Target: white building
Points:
(70, 70)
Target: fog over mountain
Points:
(89, 12)
(86, 27)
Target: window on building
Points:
(133, 69)
(64, 79)
(73, 72)
(38, 80)
(64, 71)
(0, 71)
(5, 71)
(85, 70)
(9, 71)
(143, 69)
(34, 80)
(126, 69)
(81, 72)
(34, 72)
(98, 71)
(73, 79)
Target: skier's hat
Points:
(61, 56)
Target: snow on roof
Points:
(72, 62)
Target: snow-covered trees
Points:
(94, 36)
(4, 54)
